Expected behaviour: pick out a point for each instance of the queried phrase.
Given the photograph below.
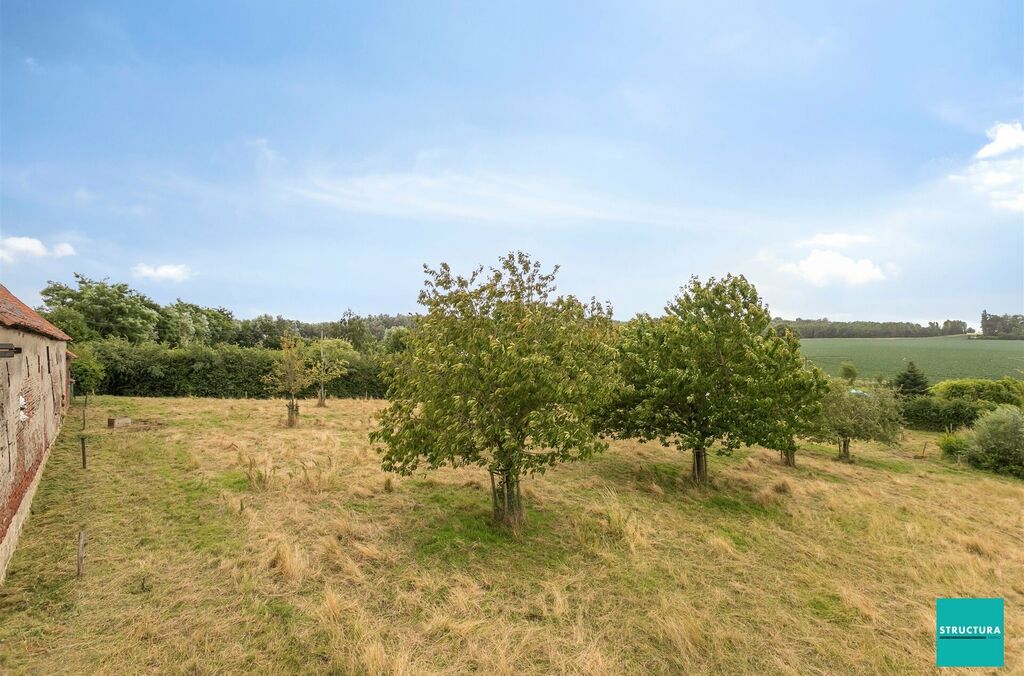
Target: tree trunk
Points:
(789, 457)
(321, 401)
(700, 466)
(293, 413)
(507, 499)
(844, 450)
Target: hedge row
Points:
(1002, 391)
(226, 371)
(938, 415)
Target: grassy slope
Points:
(194, 565)
(940, 358)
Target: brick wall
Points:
(33, 398)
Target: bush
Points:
(954, 446)
(86, 370)
(938, 415)
(998, 442)
(1002, 391)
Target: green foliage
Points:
(182, 324)
(854, 414)
(848, 372)
(911, 382)
(713, 370)
(997, 444)
(290, 374)
(327, 360)
(499, 373)
(70, 321)
(954, 446)
(1002, 326)
(87, 370)
(824, 328)
(1002, 391)
(108, 310)
(153, 370)
(937, 414)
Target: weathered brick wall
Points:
(33, 397)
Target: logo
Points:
(969, 632)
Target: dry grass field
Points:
(221, 542)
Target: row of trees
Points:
(502, 373)
(91, 310)
(1002, 326)
(823, 328)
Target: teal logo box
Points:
(969, 632)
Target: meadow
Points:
(219, 541)
(941, 358)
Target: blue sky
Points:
(855, 160)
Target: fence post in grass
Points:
(83, 450)
(83, 410)
(81, 551)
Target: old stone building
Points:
(34, 394)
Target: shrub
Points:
(1002, 391)
(998, 442)
(937, 415)
(954, 446)
(87, 370)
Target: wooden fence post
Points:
(81, 551)
(83, 451)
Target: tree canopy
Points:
(711, 371)
(848, 414)
(499, 373)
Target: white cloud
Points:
(1004, 137)
(15, 248)
(997, 171)
(836, 240)
(163, 273)
(477, 197)
(823, 267)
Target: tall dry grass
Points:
(222, 541)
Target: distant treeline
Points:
(824, 328)
(1009, 327)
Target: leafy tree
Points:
(501, 374)
(911, 382)
(848, 414)
(87, 370)
(108, 309)
(848, 372)
(997, 444)
(328, 360)
(394, 339)
(70, 321)
(713, 370)
(290, 374)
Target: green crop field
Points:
(940, 358)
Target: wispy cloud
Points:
(482, 197)
(836, 240)
(823, 267)
(13, 249)
(163, 273)
(997, 170)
